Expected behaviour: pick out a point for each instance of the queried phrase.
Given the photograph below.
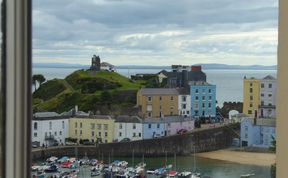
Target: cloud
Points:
(159, 32)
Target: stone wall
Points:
(203, 140)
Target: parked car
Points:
(70, 143)
(157, 136)
(34, 146)
(182, 131)
(55, 144)
(88, 143)
(125, 140)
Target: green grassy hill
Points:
(101, 91)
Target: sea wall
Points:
(202, 140)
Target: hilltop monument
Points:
(95, 63)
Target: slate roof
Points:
(128, 119)
(269, 77)
(168, 119)
(159, 91)
(263, 122)
(199, 83)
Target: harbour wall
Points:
(203, 140)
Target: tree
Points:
(38, 78)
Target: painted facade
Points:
(251, 100)
(97, 128)
(184, 105)
(268, 88)
(153, 128)
(158, 102)
(203, 99)
(175, 124)
(128, 127)
(257, 132)
(49, 128)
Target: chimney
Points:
(76, 108)
(196, 68)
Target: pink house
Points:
(173, 124)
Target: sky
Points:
(156, 32)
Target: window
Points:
(270, 95)
(251, 105)
(63, 125)
(35, 134)
(183, 106)
(149, 114)
(149, 126)
(262, 103)
(187, 112)
(99, 134)
(99, 126)
(134, 134)
(106, 134)
(80, 132)
(149, 98)
(120, 134)
(210, 97)
(92, 125)
(196, 98)
(209, 90)
(196, 91)
(92, 133)
(168, 124)
(262, 85)
(209, 105)
(60, 132)
(139, 134)
(105, 126)
(160, 98)
(203, 90)
(251, 90)
(160, 107)
(75, 124)
(50, 125)
(246, 135)
(270, 85)
(203, 97)
(171, 113)
(106, 141)
(35, 125)
(249, 112)
(172, 98)
(262, 94)
(251, 84)
(120, 126)
(55, 133)
(196, 112)
(75, 132)
(195, 105)
(251, 98)
(203, 105)
(80, 124)
(134, 126)
(158, 126)
(184, 98)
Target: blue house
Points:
(203, 99)
(153, 128)
(257, 132)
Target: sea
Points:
(229, 83)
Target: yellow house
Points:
(97, 128)
(158, 102)
(251, 99)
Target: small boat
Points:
(52, 168)
(150, 171)
(35, 168)
(247, 175)
(52, 159)
(172, 173)
(185, 174)
(63, 159)
(66, 164)
(95, 173)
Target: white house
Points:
(268, 88)
(257, 132)
(49, 128)
(128, 127)
(184, 103)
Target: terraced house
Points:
(158, 102)
(95, 128)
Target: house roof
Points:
(128, 119)
(159, 91)
(269, 77)
(105, 117)
(45, 114)
(199, 83)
